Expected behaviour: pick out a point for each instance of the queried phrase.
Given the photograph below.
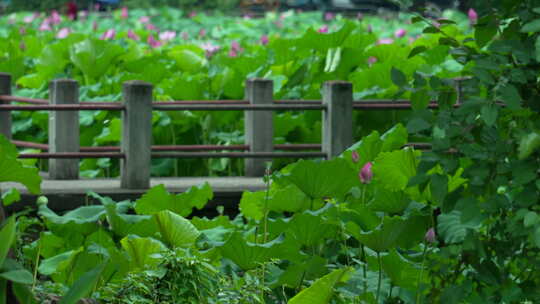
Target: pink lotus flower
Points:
(233, 53)
(131, 35)
(323, 29)
(153, 42)
(328, 16)
(210, 49)
(264, 40)
(372, 60)
(45, 26)
(167, 36)
(97, 6)
(400, 33)
(192, 14)
(63, 33)
(144, 19)
(124, 14)
(473, 16)
(366, 174)
(430, 236)
(109, 34)
(202, 33)
(22, 30)
(29, 19)
(150, 27)
(185, 35)
(236, 46)
(385, 41)
(355, 156)
(55, 18)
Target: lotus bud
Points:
(355, 156)
(366, 174)
(430, 236)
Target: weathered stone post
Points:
(5, 117)
(64, 129)
(258, 126)
(136, 135)
(337, 119)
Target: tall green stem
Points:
(421, 273)
(380, 278)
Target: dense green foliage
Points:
(297, 57)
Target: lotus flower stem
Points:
(421, 273)
(380, 278)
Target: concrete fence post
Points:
(64, 129)
(337, 119)
(258, 126)
(5, 117)
(136, 135)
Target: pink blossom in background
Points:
(400, 33)
(385, 41)
(355, 156)
(63, 33)
(210, 49)
(124, 14)
(133, 36)
(247, 16)
(45, 26)
(328, 16)
(22, 30)
(233, 53)
(436, 24)
(430, 236)
(185, 35)
(372, 60)
(153, 42)
(109, 34)
(360, 16)
(167, 35)
(83, 14)
(202, 33)
(29, 19)
(55, 18)
(97, 7)
(150, 27)
(366, 174)
(323, 29)
(94, 26)
(264, 40)
(144, 19)
(192, 14)
(473, 16)
(236, 46)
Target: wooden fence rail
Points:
(136, 150)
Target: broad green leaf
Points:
(11, 170)
(83, 286)
(144, 252)
(394, 169)
(7, 235)
(94, 57)
(312, 268)
(23, 293)
(83, 220)
(317, 180)
(451, 228)
(187, 59)
(322, 290)
(484, 34)
(252, 205)
(420, 99)
(21, 276)
(510, 96)
(56, 263)
(489, 114)
(398, 78)
(531, 219)
(176, 230)
(528, 144)
(248, 255)
(537, 49)
(395, 138)
(531, 27)
(390, 202)
(417, 50)
(11, 196)
(310, 228)
(158, 199)
(402, 273)
(385, 236)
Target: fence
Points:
(136, 150)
